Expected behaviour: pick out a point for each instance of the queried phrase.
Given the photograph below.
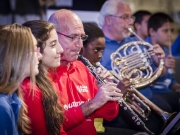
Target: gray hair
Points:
(109, 8)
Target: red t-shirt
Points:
(36, 109)
(77, 86)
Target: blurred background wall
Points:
(19, 11)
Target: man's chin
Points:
(126, 35)
(72, 59)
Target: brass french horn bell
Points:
(133, 61)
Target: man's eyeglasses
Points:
(125, 17)
(74, 38)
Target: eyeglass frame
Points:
(125, 17)
(74, 38)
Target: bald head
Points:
(70, 31)
(63, 18)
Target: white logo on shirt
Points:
(82, 88)
(73, 104)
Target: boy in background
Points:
(141, 22)
(160, 31)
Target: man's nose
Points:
(79, 43)
(130, 22)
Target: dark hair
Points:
(53, 110)
(157, 20)
(139, 16)
(93, 32)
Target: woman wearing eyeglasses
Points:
(44, 109)
(18, 60)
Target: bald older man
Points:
(81, 98)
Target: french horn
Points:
(133, 61)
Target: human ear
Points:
(108, 20)
(151, 32)
(137, 26)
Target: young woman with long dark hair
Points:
(44, 109)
